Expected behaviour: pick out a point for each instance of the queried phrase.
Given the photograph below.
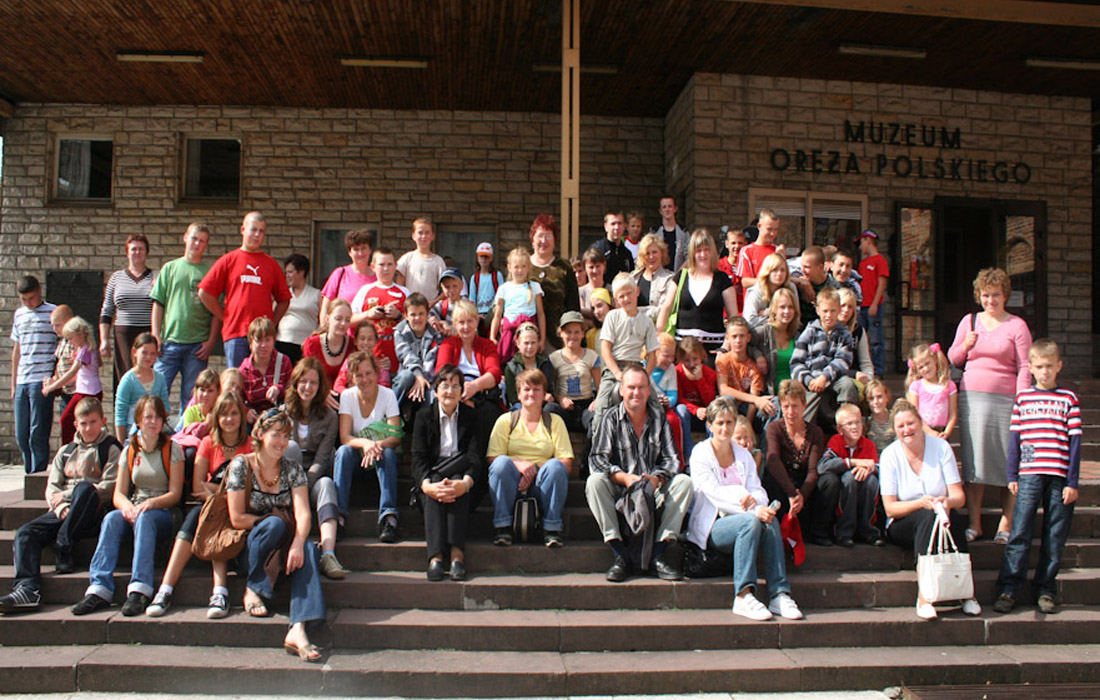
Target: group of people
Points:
(651, 339)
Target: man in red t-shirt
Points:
(875, 272)
(752, 255)
(250, 280)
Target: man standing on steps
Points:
(185, 330)
(675, 237)
(874, 272)
(615, 253)
(250, 280)
(633, 451)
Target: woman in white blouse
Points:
(730, 513)
(916, 472)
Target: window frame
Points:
(809, 197)
(315, 244)
(54, 171)
(181, 190)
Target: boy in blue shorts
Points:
(1044, 459)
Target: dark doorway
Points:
(968, 244)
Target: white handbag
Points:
(947, 574)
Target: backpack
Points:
(545, 421)
(103, 450)
(165, 457)
(494, 276)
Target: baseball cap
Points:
(450, 272)
(570, 317)
(485, 248)
(869, 233)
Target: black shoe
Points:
(1004, 603)
(846, 542)
(821, 541)
(435, 570)
(387, 532)
(618, 570)
(458, 571)
(22, 599)
(666, 571)
(135, 604)
(65, 563)
(503, 537)
(90, 604)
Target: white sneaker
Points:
(160, 604)
(219, 607)
(972, 608)
(784, 606)
(925, 611)
(748, 606)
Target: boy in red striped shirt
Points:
(1044, 459)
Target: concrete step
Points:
(562, 630)
(446, 673)
(573, 591)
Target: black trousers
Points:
(445, 525)
(915, 529)
(815, 518)
(83, 519)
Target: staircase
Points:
(537, 622)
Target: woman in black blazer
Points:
(447, 461)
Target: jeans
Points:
(685, 425)
(33, 420)
(401, 385)
(348, 463)
(178, 358)
(82, 520)
(151, 527)
(307, 600)
(875, 336)
(236, 349)
(1036, 490)
(744, 534)
(550, 488)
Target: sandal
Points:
(309, 653)
(1001, 537)
(972, 534)
(256, 608)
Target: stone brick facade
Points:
(723, 129)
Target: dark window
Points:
(212, 169)
(84, 169)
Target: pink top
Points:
(997, 363)
(87, 377)
(934, 401)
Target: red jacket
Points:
(696, 394)
(485, 354)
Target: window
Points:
(83, 169)
(329, 252)
(813, 218)
(211, 169)
(459, 242)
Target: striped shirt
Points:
(31, 328)
(1046, 434)
(127, 300)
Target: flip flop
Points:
(1001, 537)
(971, 534)
(256, 609)
(309, 653)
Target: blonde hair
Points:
(848, 409)
(773, 308)
(464, 308)
(771, 263)
(666, 340)
(78, 326)
(943, 368)
(648, 241)
(516, 255)
(230, 374)
(336, 303)
(701, 237)
(743, 422)
(846, 295)
(1044, 347)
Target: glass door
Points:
(1023, 229)
(914, 255)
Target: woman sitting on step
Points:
(268, 495)
(447, 462)
(916, 472)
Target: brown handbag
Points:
(215, 537)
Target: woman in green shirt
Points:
(773, 340)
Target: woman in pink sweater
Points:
(992, 347)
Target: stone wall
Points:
(381, 167)
(736, 122)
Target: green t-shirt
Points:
(783, 363)
(186, 320)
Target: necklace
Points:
(324, 341)
(260, 474)
(234, 446)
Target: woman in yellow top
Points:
(529, 453)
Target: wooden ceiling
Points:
(481, 53)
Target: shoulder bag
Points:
(947, 574)
(673, 316)
(215, 537)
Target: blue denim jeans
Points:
(178, 358)
(348, 464)
(401, 385)
(1036, 490)
(307, 600)
(150, 527)
(875, 336)
(550, 489)
(744, 535)
(236, 349)
(33, 420)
